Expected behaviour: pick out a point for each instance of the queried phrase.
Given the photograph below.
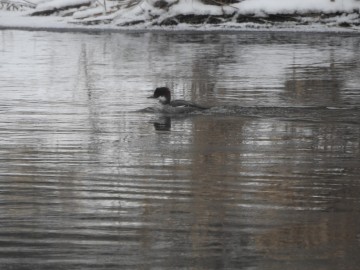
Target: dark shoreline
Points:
(174, 31)
(267, 20)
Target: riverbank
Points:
(323, 16)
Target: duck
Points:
(163, 94)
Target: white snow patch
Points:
(59, 4)
(18, 19)
(95, 11)
(298, 6)
(195, 7)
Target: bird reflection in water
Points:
(163, 123)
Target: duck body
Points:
(164, 96)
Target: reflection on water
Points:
(266, 179)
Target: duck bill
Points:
(151, 97)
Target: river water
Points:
(267, 178)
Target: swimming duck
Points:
(164, 96)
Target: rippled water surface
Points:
(268, 178)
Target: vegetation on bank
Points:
(149, 13)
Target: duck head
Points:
(163, 94)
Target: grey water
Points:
(91, 178)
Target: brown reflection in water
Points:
(319, 83)
(333, 238)
(213, 157)
(301, 178)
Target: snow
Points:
(195, 7)
(298, 6)
(119, 16)
(88, 12)
(94, 11)
(58, 4)
(18, 20)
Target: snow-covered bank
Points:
(294, 15)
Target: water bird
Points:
(163, 94)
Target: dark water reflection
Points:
(267, 179)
